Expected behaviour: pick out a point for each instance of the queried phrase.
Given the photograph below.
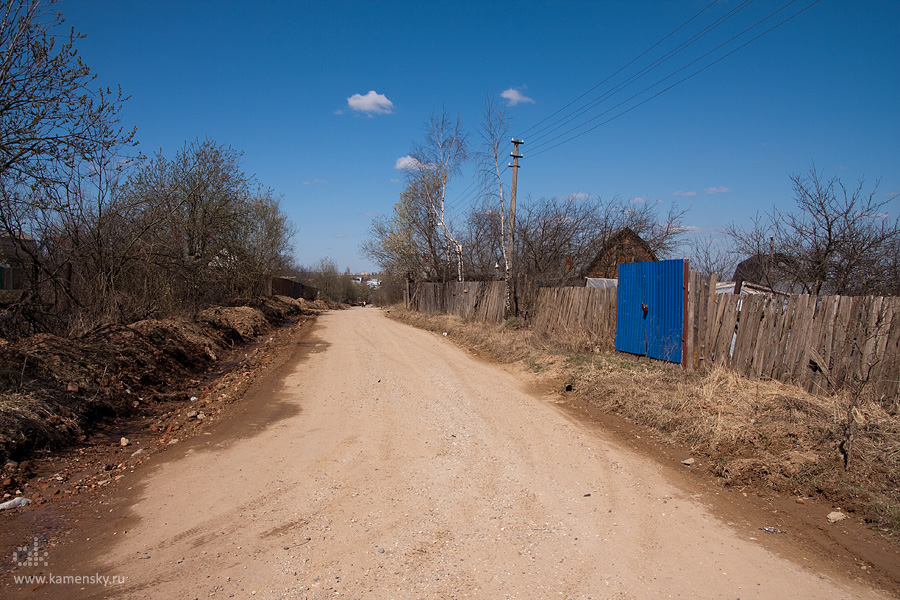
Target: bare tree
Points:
(212, 233)
(93, 246)
(484, 250)
(494, 133)
(839, 240)
(710, 255)
(559, 237)
(263, 246)
(410, 241)
(54, 124)
(417, 239)
(327, 279)
(103, 242)
(335, 286)
(438, 160)
(663, 233)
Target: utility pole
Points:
(512, 227)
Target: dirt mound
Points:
(54, 390)
(238, 323)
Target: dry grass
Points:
(762, 435)
(767, 434)
(508, 343)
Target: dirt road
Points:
(388, 463)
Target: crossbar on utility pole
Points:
(512, 225)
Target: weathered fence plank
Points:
(568, 312)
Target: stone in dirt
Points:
(14, 503)
(834, 517)
(688, 462)
(124, 442)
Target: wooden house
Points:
(625, 246)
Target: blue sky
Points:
(323, 98)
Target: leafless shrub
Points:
(838, 240)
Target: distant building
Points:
(769, 271)
(282, 286)
(14, 263)
(625, 246)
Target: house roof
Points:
(754, 269)
(622, 236)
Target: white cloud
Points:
(514, 96)
(372, 103)
(638, 200)
(680, 193)
(580, 196)
(407, 163)
(717, 190)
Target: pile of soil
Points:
(56, 392)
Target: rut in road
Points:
(402, 467)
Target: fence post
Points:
(684, 319)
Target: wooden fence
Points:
(472, 300)
(293, 289)
(577, 311)
(820, 343)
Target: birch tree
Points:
(494, 133)
(437, 161)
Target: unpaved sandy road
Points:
(389, 463)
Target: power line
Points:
(638, 57)
(460, 202)
(466, 198)
(544, 146)
(543, 132)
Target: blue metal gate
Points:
(650, 309)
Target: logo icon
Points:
(31, 557)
